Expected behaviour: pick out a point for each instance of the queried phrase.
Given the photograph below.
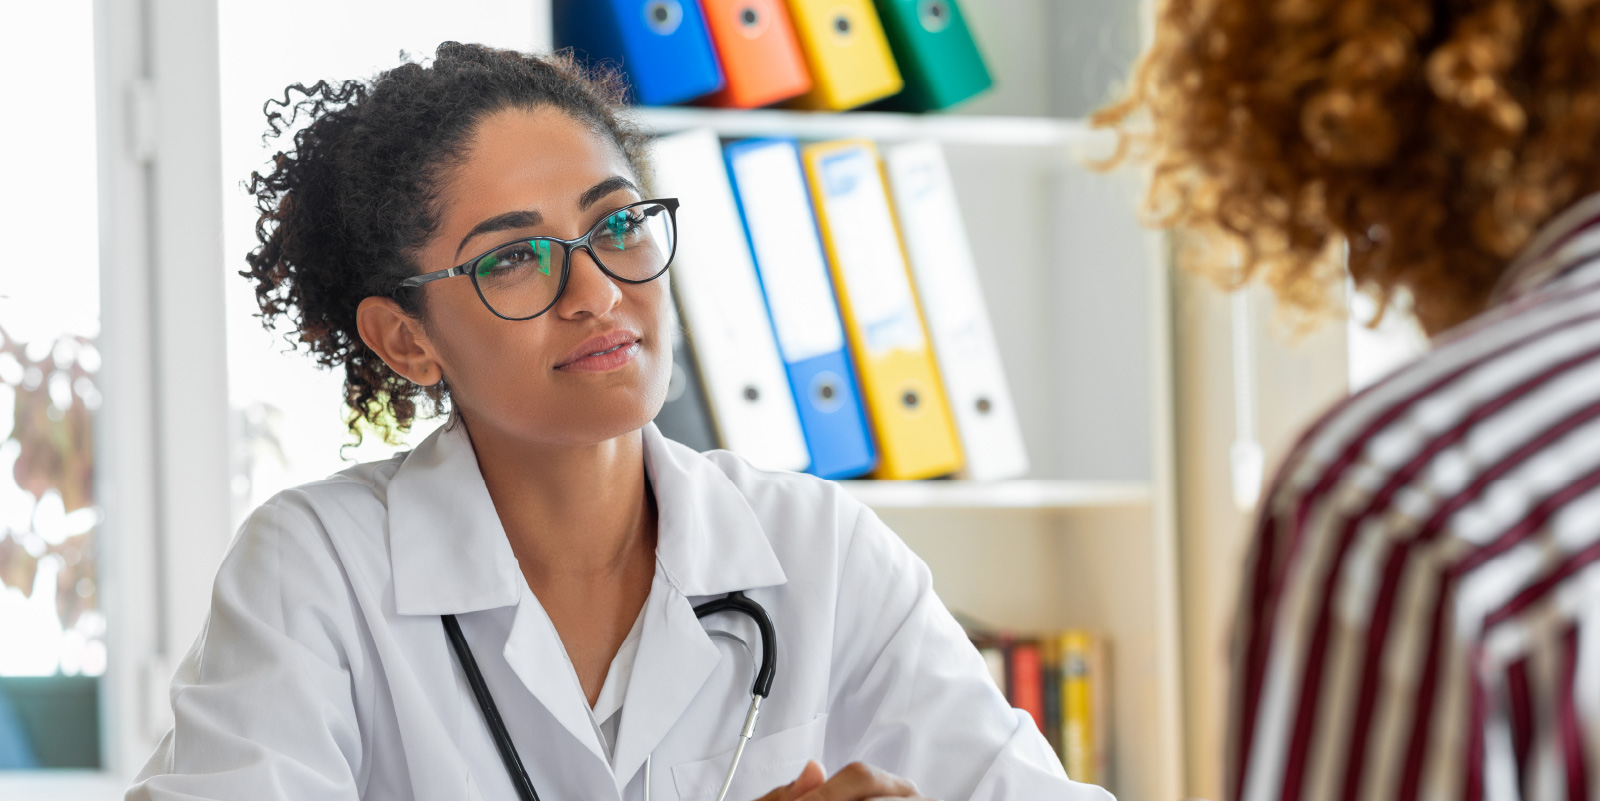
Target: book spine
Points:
(1026, 681)
(1077, 713)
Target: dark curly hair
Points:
(344, 213)
(1430, 137)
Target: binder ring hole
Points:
(984, 406)
(910, 399)
(663, 16)
(752, 394)
(842, 25)
(826, 393)
(934, 15)
(751, 21)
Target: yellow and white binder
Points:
(952, 301)
(724, 313)
(916, 436)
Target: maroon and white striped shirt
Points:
(1420, 616)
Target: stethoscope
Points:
(732, 602)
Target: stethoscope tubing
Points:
(732, 602)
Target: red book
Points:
(1027, 681)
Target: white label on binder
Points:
(777, 208)
(868, 250)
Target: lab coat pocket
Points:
(768, 762)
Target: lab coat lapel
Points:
(709, 542)
(536, 654)
(674, 660)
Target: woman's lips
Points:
(604, 361)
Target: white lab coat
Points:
(323, 671)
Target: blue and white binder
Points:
(770, 186)
(724, 314)
(663, 46)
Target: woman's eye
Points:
(536, 252)
(621, 227)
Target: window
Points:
(51, 620)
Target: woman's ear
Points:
(398, 339)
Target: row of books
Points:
(1063, 682)
(912, 55)
(832, 316)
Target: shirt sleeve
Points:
(264, 704)
(911, 695)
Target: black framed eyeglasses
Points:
(517, 280)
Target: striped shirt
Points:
(1420, 615)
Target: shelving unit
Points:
(1013, 132)
(1022, 494)
(1077, 293)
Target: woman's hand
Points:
(857, 781)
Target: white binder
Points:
(724, 312)
(952, 301)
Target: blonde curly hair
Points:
(1427, 139)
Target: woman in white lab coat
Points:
(549, 517)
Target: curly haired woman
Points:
(1420, 616)
(540, 595)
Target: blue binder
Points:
(770, 187)
(662, 46)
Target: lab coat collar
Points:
(449, 553)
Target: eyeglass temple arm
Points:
(419, 280)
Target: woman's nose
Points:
(589, 290)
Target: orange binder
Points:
(760, 54)
(847, 52)
(899, 378)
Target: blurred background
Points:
(144, 410)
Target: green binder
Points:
(935, 52)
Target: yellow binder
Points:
(899, 378)
(847, 53)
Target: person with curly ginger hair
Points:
(1420, 615)
(514, 603)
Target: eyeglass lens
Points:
(522, 279)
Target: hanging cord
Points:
(491, 713)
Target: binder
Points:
(684, 417)
(952, 302)
(770, 187)
(915, 434)
(662, 46)
(726, 318)
(846, 52)
(937, 55)
(760, 54)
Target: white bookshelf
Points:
(1021, 494)
(1078, 296)
(950, 129)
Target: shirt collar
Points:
(1566, 243)
(449, 553)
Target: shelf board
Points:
(1044, 132)
(1024, 494)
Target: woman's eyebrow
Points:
(600, 190)
(502, 222)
